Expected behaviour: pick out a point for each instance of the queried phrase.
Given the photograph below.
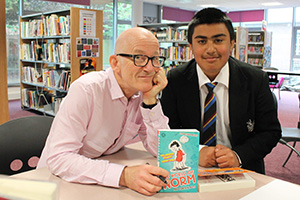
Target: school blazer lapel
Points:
(190, 87)
(238, 99)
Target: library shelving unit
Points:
(4, 117)
(50, 61)
(241, 44)
(173, 42)
(259, 48)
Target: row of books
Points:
(30, 98)
(51, 78)
(31, 51)
(31, 75)
(34, 99)
(48, 77)
(255, 49)
(255, 61)
(255, 38)
(50, 52)
(52, 25)
(171, 33)
(176, 53)
(55, 52)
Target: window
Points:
(279, 22)
(12, 41)
(297, 16)
(107, 8)
(296, 42)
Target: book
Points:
(225, 182)
(13, 188)
(219, 171)
(178, 152)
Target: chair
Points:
(21, 143)
(289, 134)
(276, 85)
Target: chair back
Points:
(21, 143)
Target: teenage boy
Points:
(245, 127)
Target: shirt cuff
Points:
(148, 106)
(113, 174)
(153, 114)
(240, 161)
(201, 146)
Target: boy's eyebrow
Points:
(214, 36)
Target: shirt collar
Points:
(222, 77)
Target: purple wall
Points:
(180, 15)
(247, 16)
(80, 2)
(177, 14)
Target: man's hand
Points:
(207, 157)
(225, 157)
(159, 83)
(141, 178)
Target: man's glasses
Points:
(142, 60)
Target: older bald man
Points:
(105, 110)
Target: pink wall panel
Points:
(177, 14)
(247, 16)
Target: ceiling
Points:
(226, 6)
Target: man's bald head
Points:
(130, 37)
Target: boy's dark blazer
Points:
(254, 125)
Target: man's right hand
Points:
(141, 178)
(207, 157)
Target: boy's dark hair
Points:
(210, 16)
(174, 143)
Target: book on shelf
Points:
(215, 179)
(178, 153)
(64, 80)
(50, 25)
(31, 75)
(13, 188)
(255, 38)
(171, 34)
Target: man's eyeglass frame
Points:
(148, 58)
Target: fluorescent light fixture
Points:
(208, 5)
(271, 4)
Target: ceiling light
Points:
(271, 4)
(208, 5)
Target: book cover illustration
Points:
(178, 152)
(87, 65)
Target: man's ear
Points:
(113, 61)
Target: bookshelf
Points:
(260, 48)
(52, 45)
(173, 42)
(4, 117)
